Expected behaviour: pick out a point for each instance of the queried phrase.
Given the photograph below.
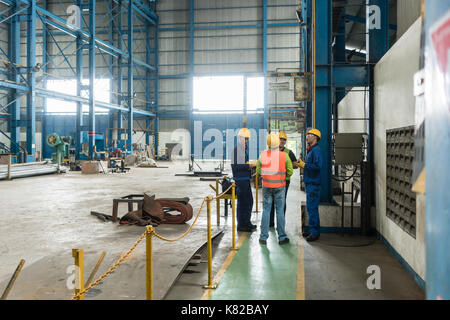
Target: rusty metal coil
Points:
(186, 211)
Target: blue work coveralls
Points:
(311, 178)
(241, 176)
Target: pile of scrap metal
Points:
(156, 211)
(151, 211)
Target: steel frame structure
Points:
(332, 75)
(23, 79)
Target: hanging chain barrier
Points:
(148, 233)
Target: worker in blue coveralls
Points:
(311, 177)
(241, 175)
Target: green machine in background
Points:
(61, 145)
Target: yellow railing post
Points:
(13, 278)
(149, 263)
(210, 285)
(79, 271)
(94, 271)
(9, 167)
(217, 202)
(233, 210)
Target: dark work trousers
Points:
(272, 212)
(312, 206)
(244, 203)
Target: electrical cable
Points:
(347, 178)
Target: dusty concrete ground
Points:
(45, 217)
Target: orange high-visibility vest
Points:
(273, 168)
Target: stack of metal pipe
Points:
(28, 170)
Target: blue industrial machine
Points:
(100, 145)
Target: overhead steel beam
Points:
(344, 75)
(62, 25)
(68, 97)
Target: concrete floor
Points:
(43, 218)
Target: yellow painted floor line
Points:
(300, 271)
(208, 293)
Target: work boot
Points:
(263, 242)
(312, 238)
(285, 241)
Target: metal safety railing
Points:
(81, 290)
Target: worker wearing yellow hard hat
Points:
(245, 133)
(274, 166)
(311, 176)
(241, 168)
(283, 139)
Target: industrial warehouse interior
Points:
(244, 150)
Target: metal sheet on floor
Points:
(51, 277)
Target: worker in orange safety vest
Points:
(274, 166)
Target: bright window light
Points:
(215, 94)
(220, 94)
(255, 93)
(102, 89)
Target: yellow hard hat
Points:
(315, 132)
(244, 132)
(283, 135)
(273, 140)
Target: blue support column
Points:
(119, 72)
(191, 71)
(79, 71)
(130, 76)
(156, 127)
(264, 67)
(109, 133)
(305, 59)
(91, 124)
(307, 4)
(322, 104)
(44, 133)
(31, 63)
(14, 48)
(147, 81)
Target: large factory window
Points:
(102, 89)
(225, 94)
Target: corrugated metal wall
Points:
(228, 39)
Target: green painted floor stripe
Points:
(261, 272)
